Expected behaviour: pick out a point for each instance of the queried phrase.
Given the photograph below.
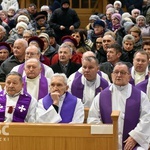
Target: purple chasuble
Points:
(132, 110)
(43, 86)
(132, 81)
(77, 86)
(21, 69)
(21, 108)
(2, 106)
(68, 107)
(142, 85)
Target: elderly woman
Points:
(116, 18)
(99, 30)
(128, 50)
(141, 23)
(4, 51)
(27, 34)
(20, 27)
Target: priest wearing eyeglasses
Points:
(134, 107)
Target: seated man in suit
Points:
(15, 104)
(59, 105)
(17, 58)
(134, 107)
(72, 42)
(114, 52)
(35, 83)
(64, 64)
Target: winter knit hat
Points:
(94, 17)
(44, 35)
(64, 1)
(69, 38)
(37, 40)
(100, 23)
(109, 6)
(22, 24)
(4, 45)
(12, 8)
(23, 18)
(117, 16)
(128, 25)
(118, 2)
(125, 15)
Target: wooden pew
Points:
(29, 136)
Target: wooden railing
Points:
(30, 136)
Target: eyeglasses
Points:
(121, 73)
(98, 42)
(31, 54)
(26, 37)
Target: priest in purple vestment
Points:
(15, 104)
(35, 83)
(89, 83)
(134, 107)
(59, 106)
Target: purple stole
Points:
(132, 110)
(142, 85)
(21, 108)
(21, 69)
(68, 107)
(132, 80)
(43, 86)
(77, 86)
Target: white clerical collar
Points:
(120, 88)
(140, 73)
(34, 79)
(62, 97)
(15, 95)
(90, 83)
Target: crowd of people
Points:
(53, 69)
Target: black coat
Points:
(72, 67)
(66, 18)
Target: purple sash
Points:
(2, 106)
(132, 81)
(142, 85)
(21, 108)
(77, 86)
(132, 110)
(21, 69)
(43, 86)
(68, 107)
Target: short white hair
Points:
(62, 75)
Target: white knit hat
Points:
(126, 15)
(22, 24)
(44, 35)
(12, 7)
(23, 18)
(118, 2)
